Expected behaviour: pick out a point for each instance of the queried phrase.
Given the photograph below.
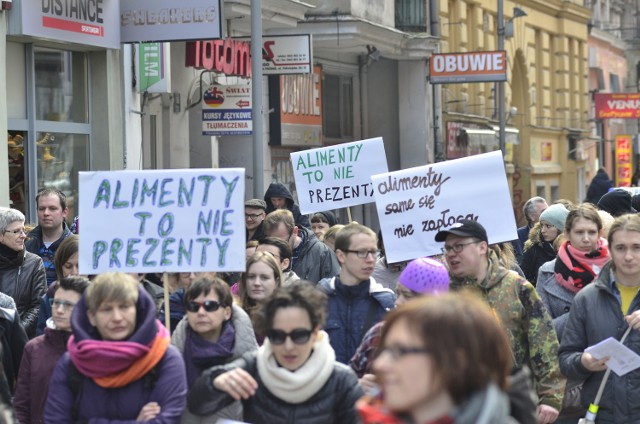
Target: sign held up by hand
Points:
(157, 221)
(337, 176)
(414, 204)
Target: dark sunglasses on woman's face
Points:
(298, 336)
(208, 305)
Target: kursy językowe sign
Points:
(86, 22)
(157, 221)
(169, 20)
(414, 204)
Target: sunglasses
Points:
(208, 305)
(299, 336)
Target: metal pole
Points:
(436, 90)
(501, 113)
(256, 98)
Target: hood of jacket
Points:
(146, 325)
(245, 336)
(278, 190)
(535, 237)
(495, 274)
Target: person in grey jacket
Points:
(213, 332)
(294, 377)
(580, 258)
(602, 310)
(22, 274)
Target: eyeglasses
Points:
(299, 336)
(398, 352)
(457, 248)
(362, 254)
(208, 305)
(252, 217)
(273, 254)
(66, 305)
(16, 232)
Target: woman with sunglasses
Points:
(22, 274)
(42, 353)
(442, 359)
(119, 366)
(214, 332)
(293, 377)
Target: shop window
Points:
(337, 106)
(61, 85)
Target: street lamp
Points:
(505, 30)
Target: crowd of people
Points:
(321, 328)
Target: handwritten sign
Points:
(414, 204)
(338, 176)
(156, 221)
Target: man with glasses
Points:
(52, 229)
(516, 304)
(312, 260)
(356, 300)
(281, 251)
(254, 214)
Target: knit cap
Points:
(555, 215)
(617, 202)
(426, 276)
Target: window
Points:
(337, 106)
(614, 83)
(411, 16)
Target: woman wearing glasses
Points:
(42, 353)
(214, 332)
(443, 359)
(119, 366)
(294, 377)
(22, 274)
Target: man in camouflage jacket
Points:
(472, 265)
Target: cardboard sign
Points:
(338, 176)
(414, 204)
(162, 220)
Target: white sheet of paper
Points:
(621, 359)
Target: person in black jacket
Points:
(278, 196)
(599, 186)
(294, 377)
(22, 274)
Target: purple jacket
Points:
(38, 360)
(97, 405)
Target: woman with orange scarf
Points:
(126, 371)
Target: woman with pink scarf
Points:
(119, 367)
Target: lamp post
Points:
(256, 97)
(500, 93)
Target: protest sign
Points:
(337, 176)
(162, 220)
(414, 204)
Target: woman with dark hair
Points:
(214, 332)
(66, 264)
(443, 359)
(42, 353)
(321, 222)
(294, 377)
(120, 359)
(22, 274)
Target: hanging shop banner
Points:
(414, 204)
(337, 176)
(168, 20)
(617, 105)
(153, 73)
(624, 153)
(173, 220)
(87, 22)
(447, 68)
(301, 109)
(226, 110)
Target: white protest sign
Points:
(162, 220)
(414, 204)
(337, 176)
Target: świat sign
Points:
(468, 67)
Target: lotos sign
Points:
(414, 204)
(156, 221)
(468, 67)
(228, 56)
(617, 105)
